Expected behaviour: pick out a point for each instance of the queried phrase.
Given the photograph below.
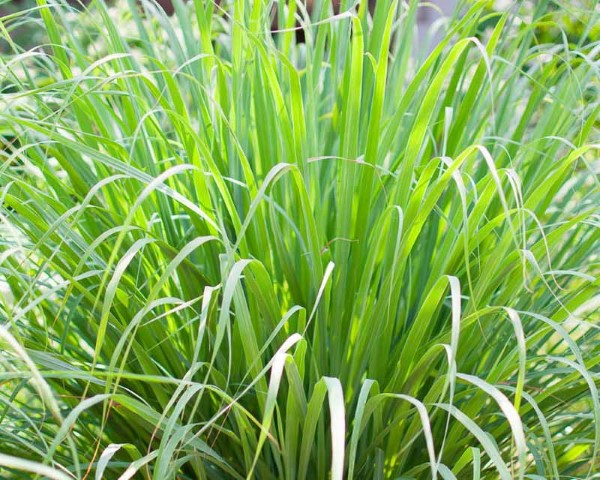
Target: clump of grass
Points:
(226, 255)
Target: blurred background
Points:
(24, 32)
(21, 23)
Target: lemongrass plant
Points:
(225, 254)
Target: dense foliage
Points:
(226, 254)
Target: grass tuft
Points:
(225, 254)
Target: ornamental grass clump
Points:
(225, 254)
